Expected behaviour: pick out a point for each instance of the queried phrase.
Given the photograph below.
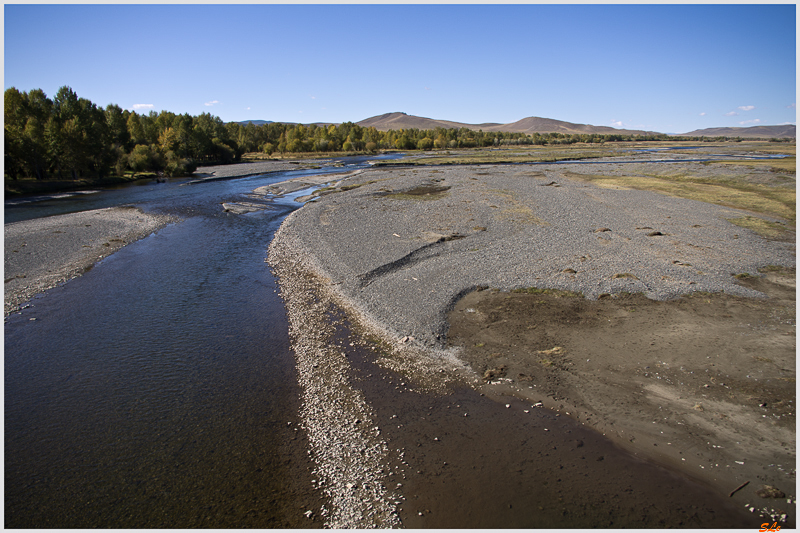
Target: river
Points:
(158, 389)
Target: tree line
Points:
(68, 137)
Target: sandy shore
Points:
(400, 249)
(42, 253)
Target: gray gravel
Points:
(44, 252)
(403, 262)
(351, 457)
(253, 168)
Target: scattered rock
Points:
(240, 208)
(492, 373)
(768, 491)
(600, 230)
(555, 350)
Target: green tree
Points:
(168, 140)
(425, 143)
(404, 143)
(135, 129)
(117, 125)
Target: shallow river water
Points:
(157, 389)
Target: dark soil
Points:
(466, 461)
(704, 384)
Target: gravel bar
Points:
(254, 168)
(403, 245)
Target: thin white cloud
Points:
(703, 114)
(313, 97)
(212, 102)
(248, 109)
(754, 121)
(143, 106)
(731, 114)
(746, 107)
(792, 106)
(617, 123)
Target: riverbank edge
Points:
(322, 370)
(63, 247)
(16, 188)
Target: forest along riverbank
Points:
(396, 249)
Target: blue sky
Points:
(666, 68)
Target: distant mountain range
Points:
(394, 121)
(262, 122)
(529, 125)
(780, 132)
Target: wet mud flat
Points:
(465, 461)
(704, 383)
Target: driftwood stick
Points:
(737, 489)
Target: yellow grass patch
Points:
(772, 201)
(516, 210)
(765, 228)
(788, 164)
